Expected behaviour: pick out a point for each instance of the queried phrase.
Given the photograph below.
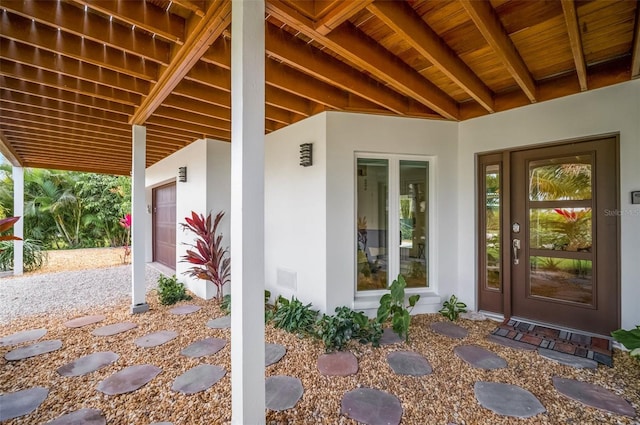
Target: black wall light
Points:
(182, 174)
(306, 157)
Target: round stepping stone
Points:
(506, 342)
(282, 392)
(340, 363)
(568, 359)
(198, 379)
(204, 347)
(128, 379)
(449, 329)
(20, 337)
(594, 396)
(33, 350)
(155, 339)
(185, 309)
(389, 337)
(371, 407)
(479, 357)
(223, 322)
(88, 364)
(273, 353)
(408, 363)
(507, 400)
(84, 321)
(81, 417)
(20, 403)
(114, 329)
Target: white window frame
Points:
(394, 220)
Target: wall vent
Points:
(287, 279)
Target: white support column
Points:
(138, 218)
(247, 212)
(18, 227)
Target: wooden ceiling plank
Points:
(211, 75)
(39, 127)
(49, 93)
(219, 53)
(200, 92)
(635, 48)
(352, 45)
(340, 13)
(487, 21)
(50, 79)
(97, 168)
(205, 133)
(278, 115)
(34, 57)
(217, 19)
(329, 70)
(573, 30)
(71, 19)
(17, 28)
(402, 19)
(30, 101)
(143, 15)
(285, 100)
(193, 116)
(7, 150)
(28, 118)
(198, 107)
(43, 148)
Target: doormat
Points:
(576, 344)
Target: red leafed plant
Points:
(209, 257)
(6, 224)
(126, 223)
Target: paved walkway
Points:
(365, 405)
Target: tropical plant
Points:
(34, 256)
(452, 308)
(126, 223)
(170, 291)
(209, 258)
(392, 306)
(630, 339)
(337, 330)
(225, 305)
(6, 224)
(293, 316)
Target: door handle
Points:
(516, 251)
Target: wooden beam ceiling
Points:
(76, 74)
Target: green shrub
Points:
(225, 305)
(346, 325)
(293, 316)
(34, 256)
(170, 291)
(392, 306)
(630, 339)
(452, 308)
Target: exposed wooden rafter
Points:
(9, 152)
(573, 30)
(485, 18)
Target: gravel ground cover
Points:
(443, 397)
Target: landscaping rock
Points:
(594, 396)
(20, 403)
(282, 392)
(273, 353)
(449, 329)
(84, 321)
(128, 379)
(114, 329)
(81, 417)
(371, 407)
(408, 363)
(155, 339)
(198, 379)
(223, 322)
(473, 315)
(33, 350)
(24, 336)
(204, 347)
(479, 357)
(339, 363)
(88, 364)
(507, 400)
(568, 359)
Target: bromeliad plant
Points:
(392, 306)
(209, 258)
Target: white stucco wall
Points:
(614, 109)
(207, 189)
(295, 213)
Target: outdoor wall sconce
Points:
(305, 154)
(182, 174)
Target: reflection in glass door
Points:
(413, 222)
